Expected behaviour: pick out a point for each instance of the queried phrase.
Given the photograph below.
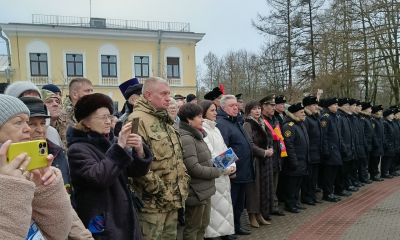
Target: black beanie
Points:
(90, 103)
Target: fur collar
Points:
(374, 115)
(344, 110)
(293, 117)
(365, 113)
(320, 108)
(308, 112)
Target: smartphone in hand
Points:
(37, 151)
(135, 125)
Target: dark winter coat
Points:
(99, 172)
(197, 159)
(333, 146)
(314, 130)
(377, 124)
(369, 132)
(60, 161)
(276, 158)
(236, 138)
(240, 118)
(260, 194)
(279, 118)
(397, 135)
(346, 132)
(390, 137)
(297, 146)
(358, 126)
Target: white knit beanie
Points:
(9, 107)
(17, 88)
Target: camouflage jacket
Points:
(165, 186)
(67, 117)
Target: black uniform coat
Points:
(358, 126)
(276, 158)
(99, 171)
(236, 138)
(390, 137)
(377, 124)
(369, 132)
(297, 146)
(397, 135)
(314, 130)
(346, 132)
(332, 146)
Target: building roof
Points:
(60, 26)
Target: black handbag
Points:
(137, 202)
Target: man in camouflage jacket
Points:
(165, 187)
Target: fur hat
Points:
(376, 108)
(190, 97)
(90, 103)
(321, 102)
(352, 101)
(343, 101)
(296, 107)
(135, 89)
(330, 101)
(18, 88)
(280, 99)
(365, 105)
(310, 100)
(388, 111)
(215, 93)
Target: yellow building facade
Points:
(108, 56)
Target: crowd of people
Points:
(104, 180)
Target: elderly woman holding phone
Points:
(100, 165)
(36, 199)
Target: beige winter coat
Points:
(21, 204)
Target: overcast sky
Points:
(226, 23)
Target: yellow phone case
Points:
(37, 151)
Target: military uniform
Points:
(390, 142)
(377, 153)
(164, 189)
(67, 118)
(295, 166)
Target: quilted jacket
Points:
(221, 220)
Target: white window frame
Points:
(142, 55)
(65, 52)
(115, 52)
(173, 52)
(35, 46)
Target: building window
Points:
(173, 67)
(38, 63)
(142, 67)
(74, 65)
(109, 65)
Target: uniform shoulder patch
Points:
(291, 124)
(288, 133)
(327, 114)
(323, 124)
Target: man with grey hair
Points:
(164, 188)
(236, 138)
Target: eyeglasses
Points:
(172, 108)
(105, 118)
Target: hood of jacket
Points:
(342, 111)
(222, 114)
(187, 129)
(144, 106)
(374, 115)
(102, 142)
(290, 117)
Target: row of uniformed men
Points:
(335, 143)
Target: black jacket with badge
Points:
(314, 130)
(297, 146)
(276, 157)
(369, 132)
(346, 132)
(390, 137)
(377, 124)
(279, 118)
(397, 135)
(358, 127)
(332, 145)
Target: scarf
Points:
(277, 136)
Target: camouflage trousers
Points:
(159, 226)
(197, 220)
